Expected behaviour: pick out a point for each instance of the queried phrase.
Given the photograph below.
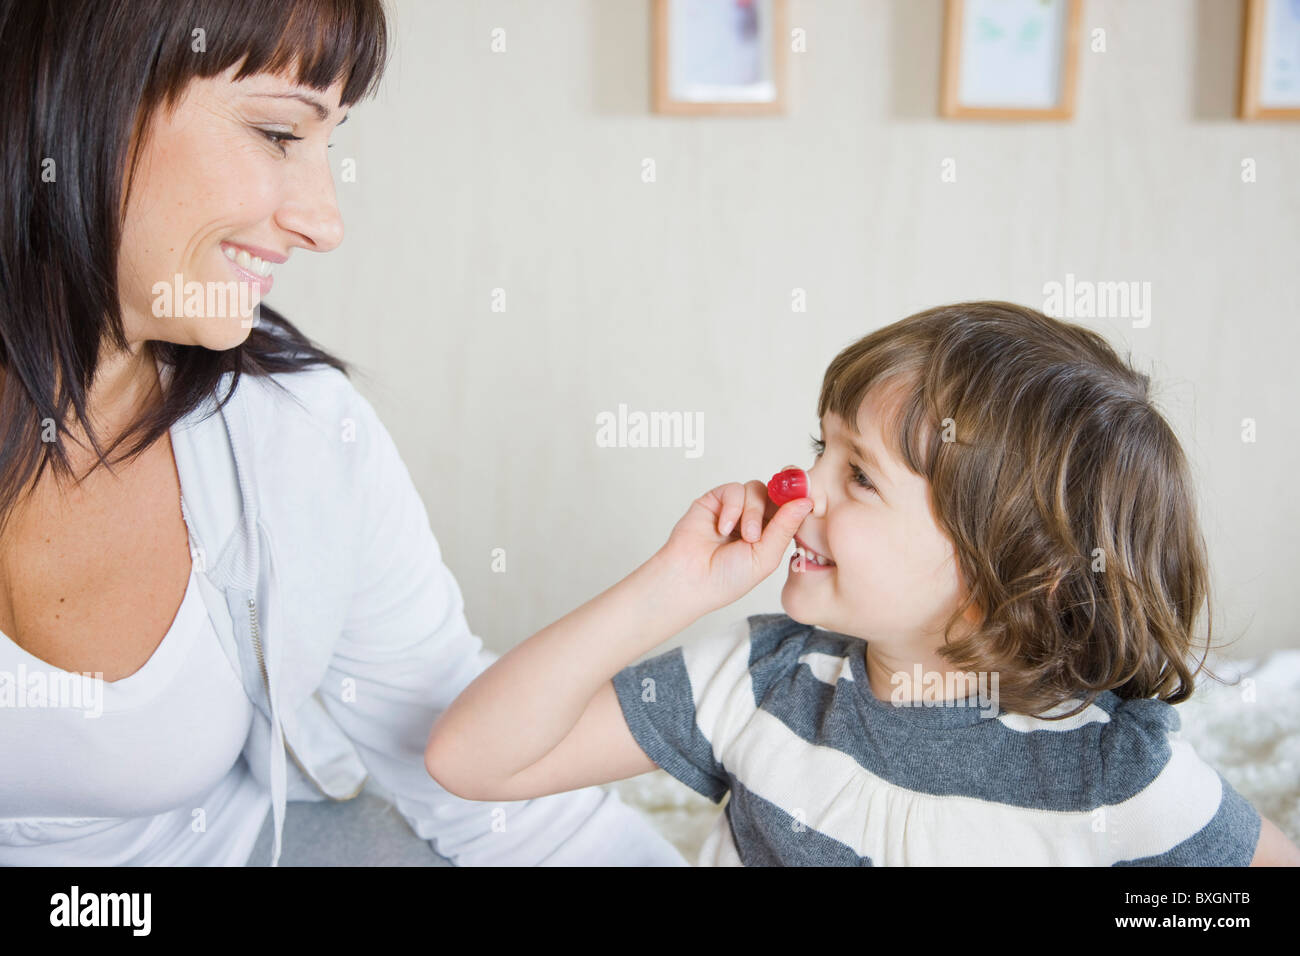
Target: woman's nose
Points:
(312, 210)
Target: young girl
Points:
(988, 616)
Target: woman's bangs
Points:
(319, 41)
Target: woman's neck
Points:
(125, 385)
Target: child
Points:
(988, 615)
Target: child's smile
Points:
(813, 559)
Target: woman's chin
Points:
(223, 334)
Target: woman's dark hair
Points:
(1068, 499)
(79, 83)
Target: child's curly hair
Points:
(1066, 495)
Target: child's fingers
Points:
(780, 530)
(733, 502)
(751, 522)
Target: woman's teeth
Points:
(245, 261)
(814, 557)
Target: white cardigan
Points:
(349, 631)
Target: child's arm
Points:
(1274, 849)
(544, 718)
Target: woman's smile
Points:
(252, 264)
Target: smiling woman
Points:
(189, 104)
(221, 580)
(138, 147)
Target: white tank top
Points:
(156, 779)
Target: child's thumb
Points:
(780, 530)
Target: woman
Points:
(195, 503)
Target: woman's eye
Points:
(818, 446)
(861, 479)
(279, 138)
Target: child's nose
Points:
(815, 491)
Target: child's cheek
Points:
(865, 549)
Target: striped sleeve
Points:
(668, 700)
(1227, 838)
(1185, 812)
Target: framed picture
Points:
(719, 56)
(1270, 60)
(1010, 59)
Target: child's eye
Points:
(861, 479)
(818, 446)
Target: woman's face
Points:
(894, 578)
(213, 182)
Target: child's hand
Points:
(716, 549)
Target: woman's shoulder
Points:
(317, 393)
(312, 431)
(317, 409)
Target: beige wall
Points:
(523, 171)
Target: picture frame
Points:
(718, 57)
(1010, 59)
(1270, 60)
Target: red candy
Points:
(787, 486)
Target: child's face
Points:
(894, 578)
